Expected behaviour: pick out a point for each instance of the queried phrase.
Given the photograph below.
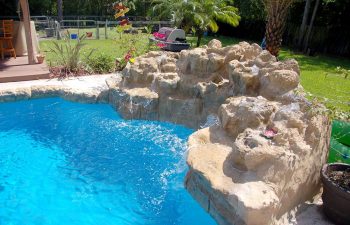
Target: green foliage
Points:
(251, 9)
(200, 15)
(101, 63)
(68, 54)
(332, 89)
(133, 46)
(114, 48)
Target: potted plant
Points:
(40, 58)
(88, 34)
(336, 192)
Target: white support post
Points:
(28, 30)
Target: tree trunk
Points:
(304, 23)
(276, 20)
(199, 37)
(274, 32)
(59, 10)
(308, 34)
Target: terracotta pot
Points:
(88, 34)
(40, 59)
(336, 200)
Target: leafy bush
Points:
(101, 63)
(68, 55)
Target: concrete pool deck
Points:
(94, 89)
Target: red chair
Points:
(6, 38)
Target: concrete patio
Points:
(13, 70)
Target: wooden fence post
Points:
(97, 30)
(106, 29)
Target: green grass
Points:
(332, 87)
(112, 47)
(319, 77)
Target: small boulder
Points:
(240, 113)
(278, 82)
(214, 44)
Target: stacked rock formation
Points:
(237, 173)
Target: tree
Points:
(308, 34)
(60, 10)
(304, 22)
(252, 10)
(199, 15)
(277, 11)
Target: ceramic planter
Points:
(40, 59)
(336, 200)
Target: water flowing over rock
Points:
(237, 173)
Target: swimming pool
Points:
(70, 163)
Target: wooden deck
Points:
(13, 70)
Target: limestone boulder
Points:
(264, 58)
(138, 103)
(199, 63)
(244, 78)
(278, 82)
(167, 83)
(240, 113)
(242, 177)
(214, 44)
(180, 110)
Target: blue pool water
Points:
(80, 164)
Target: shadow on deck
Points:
(12, 70)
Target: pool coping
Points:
(86, 89)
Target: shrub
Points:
(68, 55)
(101, 63)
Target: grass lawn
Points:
(319, 77)
(333, 88)
(112, 47)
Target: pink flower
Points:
(127, 57)
(161, 45)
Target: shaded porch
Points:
(20, 37)
(19, 69)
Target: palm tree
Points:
(199, 15)
(277, 11)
